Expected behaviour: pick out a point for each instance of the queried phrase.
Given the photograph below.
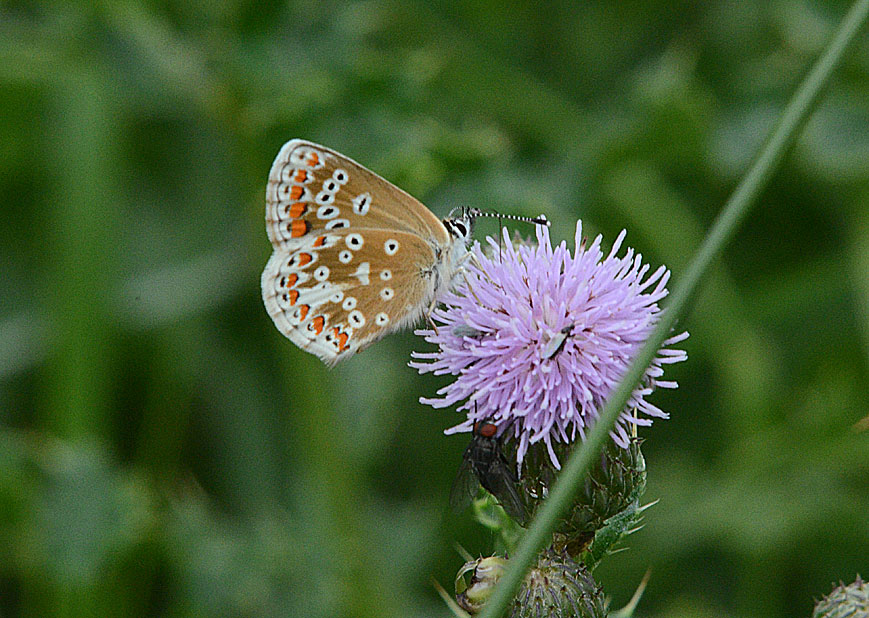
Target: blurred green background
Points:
(165, 451)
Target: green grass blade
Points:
(735, 210)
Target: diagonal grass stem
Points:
(777, 144)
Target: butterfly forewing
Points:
(312, 188)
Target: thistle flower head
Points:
(538, 338)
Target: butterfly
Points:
(484, 463)
(355, 257)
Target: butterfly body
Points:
(355, 257)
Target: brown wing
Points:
(335, 294)
(312, 189)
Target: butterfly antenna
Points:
(476, 212)
(541, 220)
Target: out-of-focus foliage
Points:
(164, 451)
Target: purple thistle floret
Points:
(538, 338)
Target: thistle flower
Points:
(538, 338)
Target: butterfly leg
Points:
(468, 285)
(428, 319)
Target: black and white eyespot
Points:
(335, 224)
(356, 319)
(349, 303)
(362, 203)
(321, 273)
(330, 186)
(325, 197)
(345, 256)
(381, 319)
(337, 297)
(391, 246)
(354, 241)
(387, 293)
(340, 176)
(386, 274)
(327, 212)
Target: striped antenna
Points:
(476, 212)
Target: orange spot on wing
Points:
(298, 209)
(292, 280)
(319, 322)
(304, 258)
(294, 296)
(296, 192)
(313, 159)
(303, 309)
(320, 240)
(301, 176)
(299, 228)
(342, 341)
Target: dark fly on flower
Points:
(483, 463)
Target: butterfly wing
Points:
(313, 189)
(355, 257)
(341, 291)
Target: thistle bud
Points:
(485, 573)
(612, 486)
(557, 587)
(845, 601)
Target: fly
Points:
(483, 463)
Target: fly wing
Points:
(465, 486)
(501, 483)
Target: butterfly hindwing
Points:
(339, 292)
